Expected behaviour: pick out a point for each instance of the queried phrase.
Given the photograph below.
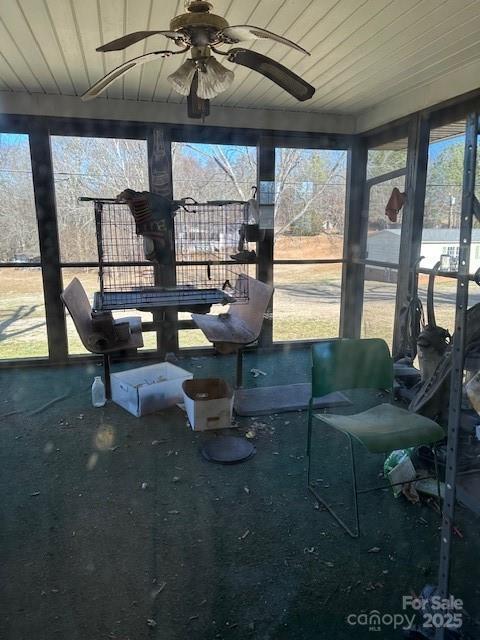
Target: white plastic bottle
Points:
(98, 392)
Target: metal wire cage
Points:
(206, 236)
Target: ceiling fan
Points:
(202, 77)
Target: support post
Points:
(266, 190)
(458, 356)
(354, 241)
(160, 178)
(412, 226)
(45, 206)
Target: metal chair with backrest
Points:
(128, 331)
(230, 332)
(346, 364)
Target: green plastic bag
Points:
(393, 460)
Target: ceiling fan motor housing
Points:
(198, 6)
(198, 20)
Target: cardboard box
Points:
(208, 403)
(149, 389)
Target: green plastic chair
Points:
(345, 364)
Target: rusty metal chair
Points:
(125, 334)
(232, 331)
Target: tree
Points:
(93, 167)
(382, 161)
(213, 172)
(309, 198)
(17, 209)
(309, 189)
(444, 187)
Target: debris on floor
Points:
(156, 592)
(428, 486)
(398, 468)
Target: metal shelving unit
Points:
(470, 208)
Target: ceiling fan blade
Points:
(119, 71)
(131, 38)
(286, 79)
(242, 32)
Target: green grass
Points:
(31, 349)
(305, 328)
(306, 306)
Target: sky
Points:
(12, 139)
(437, 147)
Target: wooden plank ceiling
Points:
(363, 52)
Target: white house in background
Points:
(384, 246)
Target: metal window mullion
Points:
(45, 206)
(458, 355)
(412, 225)
(386, 177)
(354, 242)
(161, 182)
(265, 248)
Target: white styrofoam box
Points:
(208, 403)
(148, 389)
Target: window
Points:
(93, 167)
(23, 332)
(306, 301)
(22, 314)
(383, 243)
(444, 178)
(310, 187)
(383, 239)
(386, 158)
(379, 296)
(19, 237)
(443, 199)
(211, 172)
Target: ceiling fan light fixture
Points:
(213, 79)
(181, 79)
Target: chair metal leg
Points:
(106, 371)
(355, 490)
(356, 532)
(352, 533)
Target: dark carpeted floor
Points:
(203, 551)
